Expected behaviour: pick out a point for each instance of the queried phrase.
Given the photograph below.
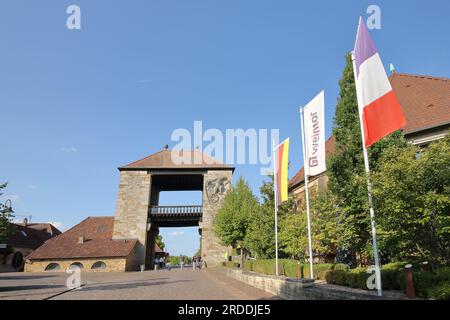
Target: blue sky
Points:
(75, 105)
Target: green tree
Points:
(260, 238)
(234, 216)
(159, 241)
(6, 214)
(324, 229)
(347, 178)
(412, 196)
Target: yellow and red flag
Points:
(281, 172)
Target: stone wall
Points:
(215, 185)
(301, 289)
(112, 265)
(131, 215)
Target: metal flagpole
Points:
(311, 258)
(369, 187)
(275, 189)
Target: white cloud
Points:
(176, 233)
(69, 150)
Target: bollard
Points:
(425, 266)
(409, 282)
(142, 267)
(156, 267)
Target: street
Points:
(187, 284)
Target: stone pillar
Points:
(151, 241)
(215, 185)
(131, 217)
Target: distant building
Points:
(425, 102)
(88, 246)
(25, 238)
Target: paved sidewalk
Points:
(208, 284)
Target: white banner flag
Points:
(314, 119)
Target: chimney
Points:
(25, 222)
(80, 239)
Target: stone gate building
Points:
(127, 241)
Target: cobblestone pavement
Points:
(209, 284)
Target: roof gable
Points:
(163, 160)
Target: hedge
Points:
(291, 268)
(428, 284)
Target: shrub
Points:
(432, 284)
(440, 291)
(290, 268)
(357, 278)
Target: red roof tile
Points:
(300, 176)
(97, 232)
(25, 237)
(163, 160)
(46, 227)
(425, 100)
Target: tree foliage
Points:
(260, 237)
(159, 241)
(6, 214)
(412, 196)
(324, 229)
(235, 214)
(347, 177)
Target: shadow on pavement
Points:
(132, 285)
(26, 277)
(32, 287)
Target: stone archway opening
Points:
(180, 238)
(140, 213)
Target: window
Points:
(99, 265)
(76, 265)
(17, 260)
(53, 267)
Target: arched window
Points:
(76, 265)
(17, 260)
(52, 267)
(99, 265)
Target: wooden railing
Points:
(173, 210)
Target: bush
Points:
(432, 284)
(440, 291)
(291, 268)
(357, 278)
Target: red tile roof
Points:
(45, 227)
(425, 100)
(25, 237)
(300, 176)
(163, 160)
(98, 243)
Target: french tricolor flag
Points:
(379, 108)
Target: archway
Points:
(139, 214)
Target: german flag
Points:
(281, 172)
